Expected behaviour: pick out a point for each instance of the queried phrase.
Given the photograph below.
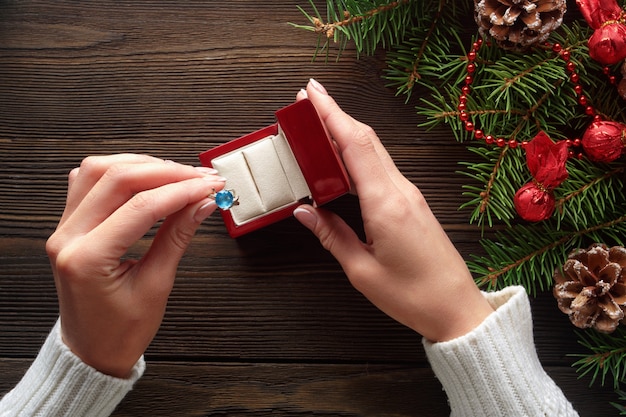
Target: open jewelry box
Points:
(277, 168)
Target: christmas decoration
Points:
(591, 287)
(604, 141)
(496, 100)
(466, 90)
(607, 45)
(518, 24)
(546, 161)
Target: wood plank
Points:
(247, 389)
(32, 200)
(243, 301)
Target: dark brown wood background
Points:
(263, 325)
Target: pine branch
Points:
(514, 96)
(583, 199)
(528, 255)
(501, 175)
(419, 57)
(367, 23)
(622, 397)
(607, 357)
(522, 255)
(589, 191)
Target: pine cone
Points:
(591, 287)
(518, 24)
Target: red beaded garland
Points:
(479, 134)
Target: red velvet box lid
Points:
(315, 154)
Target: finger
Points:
(81, 180)
(361, 150)
(71, 180)
(336, 237)
(171, 242)
(327, 106)
(132, 220)
(119, 184)
(302, 94)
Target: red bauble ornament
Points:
(534, 204)
(546, 162)
(607, 45)
(604, 141)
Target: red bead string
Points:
(574, 78)
(611, 77)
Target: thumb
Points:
(334, 234)
(172, 240)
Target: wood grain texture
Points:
(297, 389)
(263, 325)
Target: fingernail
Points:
(204, 211)
(304, 93)
(319, 87)
(306, 217)
(206, 170)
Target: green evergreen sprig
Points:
(589, 193)
(497, 179)
(406, 28)
(622, 397)
(528, 255)
(590, 208)
(608, 357)
(367, 23)
(419, 57)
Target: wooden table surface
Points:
(263, 325)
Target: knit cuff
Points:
(58, 383)
(494, 370)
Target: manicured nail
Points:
(304, 93)
(306, 217)
(319, 87)
(204, 211)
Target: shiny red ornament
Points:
(607, 45)
(534, 204)
(546, 161)
(604, 141)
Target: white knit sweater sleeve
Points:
(58, 384)
(494, 370)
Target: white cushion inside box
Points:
(264, 175)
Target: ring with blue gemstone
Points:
(225, 199)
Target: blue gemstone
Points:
(224, 199)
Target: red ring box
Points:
(275, 169)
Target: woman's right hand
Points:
(407, 266)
